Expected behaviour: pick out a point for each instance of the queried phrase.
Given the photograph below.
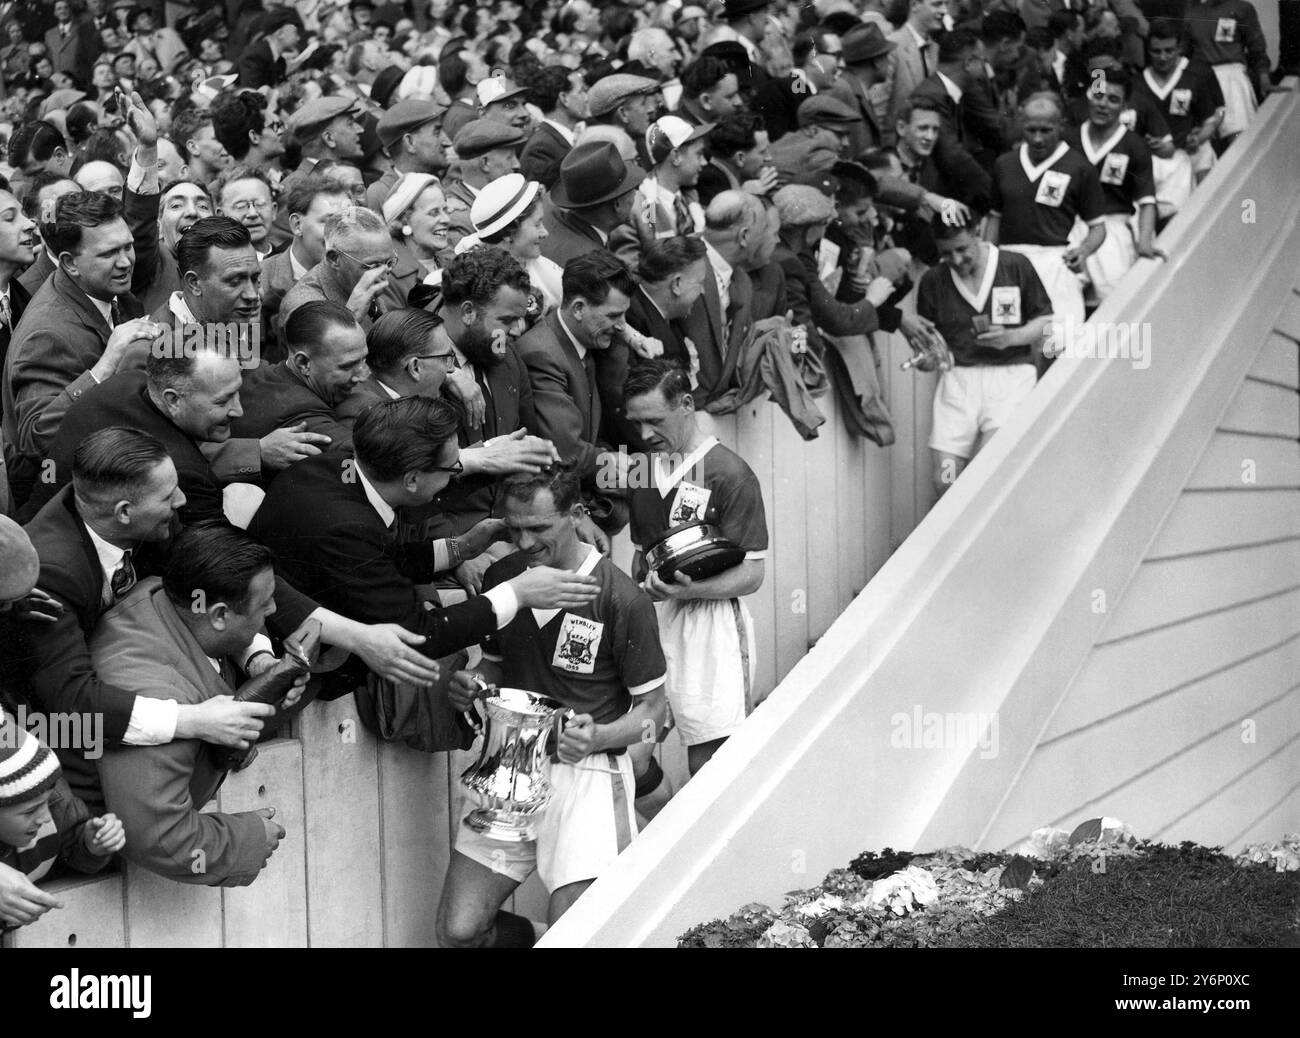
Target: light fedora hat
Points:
(501, 202)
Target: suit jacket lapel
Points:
(584, 391)
(80, 305)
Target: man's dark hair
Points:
(808, 42)
(592, 275)
(408, 435)
(74, 214)
(186, 124)
(477, 276)
(918, 104)
(736, 17)
(174, 369)
(218, 559)
(546, 86)
(1061, 22)
(945, 231)
(734, 133)
(1039, 38)
(840, 22)
(703, 74)
(453, 71)
(35, 185)
(308, 325)
(1117, 77)
(660, 373)
(617, 21)
(233, 116)
(561, 480)
(1166, 29)
(1001, 25)
(82, 120)
(300, 190)
(212, 232)
(665, 257)
(952, 44)
(399, 335)
(34, 141)
(115, 463)
(104, 145)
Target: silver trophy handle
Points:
(483, 688)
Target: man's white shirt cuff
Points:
(153, 722)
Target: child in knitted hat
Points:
(41, 823)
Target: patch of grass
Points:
(1168, 897)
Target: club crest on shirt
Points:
(577, 645)
(690, 503)
(1226, 30)
(1180, 102)
(1052, 188)
(1113, 169)
(1006, 305)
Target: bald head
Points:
(1042, 106)
(100, 176)
(733, 223)
(19, 565)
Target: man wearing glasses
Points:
(243, 193)
(354, 273)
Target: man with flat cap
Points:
(748, 20)
(410, 134)
(831, 115)
(866, 71)
(628, 102)
(487, 150)
(328, 130)
(267, 62)
(502, 101)
(595, 195)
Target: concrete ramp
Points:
(1101, 617)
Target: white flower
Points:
(786, 935)
(912, 888)
(1046, 844)
(822, 905)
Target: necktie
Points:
(589, 366)
(123, 579)
(682, 213)
(925, 60)
(115, 313)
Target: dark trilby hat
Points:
(864, 42)
(593, 173)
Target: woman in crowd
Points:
(416, 214)
(508, 214)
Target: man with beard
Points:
(327, 359)
(410, 134)
(992, 312)
(1039, 189)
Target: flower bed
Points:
(1094, 887)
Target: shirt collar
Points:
(296, 268)
(105, 309)
(954, 91)
(109, 555)
(392, 393)
(562, 130)
(721, 267)
(582, 350)
(179, 308)
(921, 41)
(385, 510)
(545, 616)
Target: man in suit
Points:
(958, 89)
(330, 521)
(67, 43)
(595, 195)
(307, 200)
(327, 360)
(265, 63)
(722, 318)
(561, 94)
(710, 91)
(80, 328)
(748, 19)
(867, 59)
(560, 355)
(487, 150)
(915, 54)
(155, 645)
(43, 190)
(818, 57)
(95, 538)
(354, 271)
(18, 244)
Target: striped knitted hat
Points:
(27, 766)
